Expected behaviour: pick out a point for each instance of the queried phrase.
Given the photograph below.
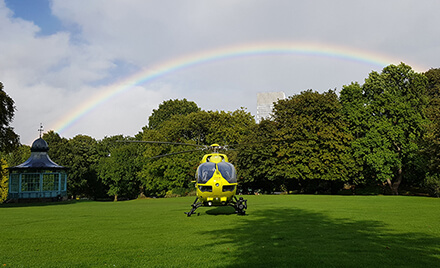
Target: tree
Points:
(8, 138)
(58, 147)
(313, 141)
(119, 169)
(17, 156)
(257, 159)
(160, 175)
(203, 128)
(82, 159)
(386, 115)
(432, 136)
(169, 108)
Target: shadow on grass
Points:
(40, 204)
(298, 238)
(224, 210)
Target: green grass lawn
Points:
(279, 231)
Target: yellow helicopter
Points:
(216, 183)
(216, 179)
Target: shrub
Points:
(180, 191)
(432, 182)
(3, 181)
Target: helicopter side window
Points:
(228, 171)
(205, 172)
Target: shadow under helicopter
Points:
(222, 210)
(301, 238)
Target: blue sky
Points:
(57, 56)
(37, 11)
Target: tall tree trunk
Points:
(394, 186)
(116, 198)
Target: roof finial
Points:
(41, 129)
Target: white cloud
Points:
(105, 40)
(124, 114)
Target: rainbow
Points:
(226, 53)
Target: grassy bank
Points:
(290, 230)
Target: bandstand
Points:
(38, 178)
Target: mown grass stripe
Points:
(279, 231)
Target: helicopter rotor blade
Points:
(213, 147)
(232, 147)
(165, 142)
(181, 152)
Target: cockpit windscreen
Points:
(228, 171)
(205, 172)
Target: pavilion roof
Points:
(39, 158)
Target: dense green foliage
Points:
(387, 116)
(306, 145)
(279, 231)
(3, 181)
(381, 136)
(119, 170)
(313, 142)
(8, 138)
(432, 137)
(176, 172)
(169, 108)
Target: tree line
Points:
(382, 136)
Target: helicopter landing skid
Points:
(194, 206)
(240, 205)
